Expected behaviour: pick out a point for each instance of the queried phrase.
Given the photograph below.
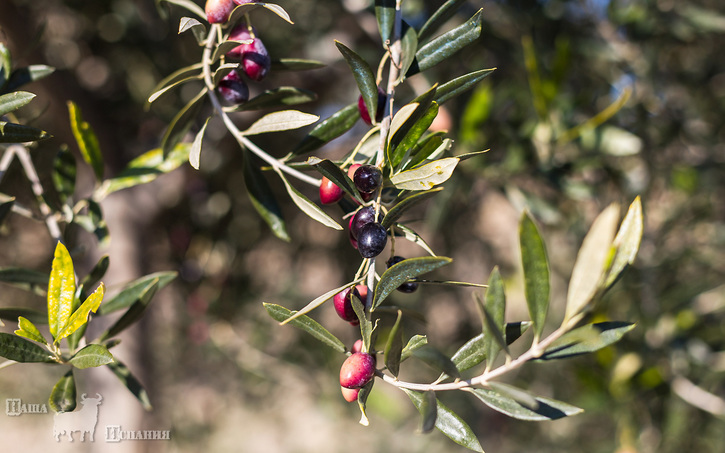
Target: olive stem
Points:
(232, 128)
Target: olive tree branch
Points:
(232, 128)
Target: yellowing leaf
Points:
(426, 176)
(61, 290)
(80, 316)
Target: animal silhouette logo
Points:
(83, 420)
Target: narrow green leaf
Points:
(28, 330)
(180, 124)
(406, 203)
(95, 224)
(587, 339)
(385, 15)
(80, 316)
(547, 409)
(415, 342)
(19, 275)
(442, 14)
(144, 169)
(308, 207)
(13, 313)
(6, 64)
(63, 396)
(262, 197)
(195, 151)
(132, 384)
(328, 169)
(61, 289)
(28, 74)
(433, 144)
(135, 291)
(415, 132)
(591, 262)
(276, 97)
(405, 118)
(460, 85)
(64, 173)
(306, 324)
(401, 117)
(413, 237)
(93, 355)
(196, 27)
(536, 272)
(281, 121)
(473, 351)
(394, 347)
(296, 64)
(446, 45)
(493, 310)
(278, 10)
(13, 101)
(364, 77)
(448, 422)
(362, 398)
(437, 360)
(428, 412)
(12, 347)
(399, 273)
(134, 312)
(522, 397)
(366, 326)
(97, 273)
(175, 79)
(86, 140)
(328, 129)
(225, 46)
(317, 302)
(626, 242)
(409, 45)
(426, 176)
(19, 133)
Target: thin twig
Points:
(241, 139)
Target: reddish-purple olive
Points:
(350, 395)
(365, 115)
(368, 178)
(371, 240)
(254, 56)
(407, 287)
(357, 370)
(330, 193)
(343, 305)
(361, 218)
(233, 89)
(241, 2)
(218, 11)
(357, 346)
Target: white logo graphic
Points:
(83, 420)
(15, 407)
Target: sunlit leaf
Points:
(93, 355)
(413, 237)
(385, 15)
(28, 330)
(180, 124)
(64, 173)
(317, 302)
(493, 310)
(306, 324)
(415, 342)
(399, 273)
(439, 17)
(394, 347)
(362, 398)
(86, 140)
(460, 85)
(132, 384)
(626, 242)
(13, 101)
(409, 45)
(328, 129)
(586, 339)
(448, 422)
(306, 206)
(446, 45)
(12, 347)
(196, 27)
(366, 326)
(281, 121)
(591, 263)
(63, 396)
(61, 289)
(536, 272)
(28, 74)
(415, 132)
(547, 409)
(80, 316)
(195, 151)
(426, 176)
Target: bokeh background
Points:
(224, 377)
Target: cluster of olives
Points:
(253, 56)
